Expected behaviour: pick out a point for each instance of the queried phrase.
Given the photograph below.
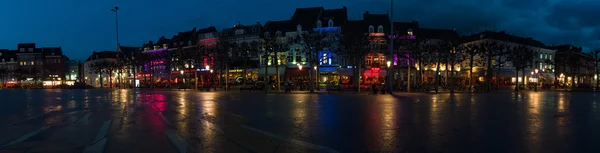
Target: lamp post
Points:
(389, 64)
(389, 73)
(116, 9)
(316, 85)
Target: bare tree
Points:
(3, 76)
(521, 57)
(223, 55)
(470, 52)
(355, 47)
(489, 51)
(311, 41)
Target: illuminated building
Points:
(96, 67)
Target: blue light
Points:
(327, 29)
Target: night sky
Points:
(82, 26)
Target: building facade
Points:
(97, 69)
(8, 68)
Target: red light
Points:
(375, 69)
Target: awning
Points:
(328, 69)
(272, 71)
(295, 72)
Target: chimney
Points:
(365, 15)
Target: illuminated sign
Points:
(376, 34)
(375, 69)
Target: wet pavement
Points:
(148, 121)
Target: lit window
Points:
(550, 57)
(330, 23)
(380, 29)
(319, 24)
(410, 32)
(299, 28)
(371, 29)
(32, 63)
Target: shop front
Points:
(236, 76)
(271, 73)
(329, 76)
(373, 75)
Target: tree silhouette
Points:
(354, 46)
(521, 57)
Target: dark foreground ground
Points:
(147, 121)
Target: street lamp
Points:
(299, 66)
(207, 67)
(116, 9)
(389, 63)
(315, 67)
(536, 70)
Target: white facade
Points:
(92, 78)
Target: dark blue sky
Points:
(82, 26)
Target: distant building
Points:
(573, 66)
(542, 62)
(45, 65)
(248, 38)
(8, 67)
(72, 73)
(97, 68)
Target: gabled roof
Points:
(273, 26)
(567, 48)
(8, 54)
(306, 17)
(253, 29)
(185, 37)
(210, 29)
(376, 20)
(26, 45)
(502, 36)
(441, 34)
(102, 55)
(52, 51)
(127, 51)
(339, 17)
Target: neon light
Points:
(402, 36)
(375, 69)
(327, 29)
(376, 34)
(155, 51)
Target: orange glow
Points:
(376, 34)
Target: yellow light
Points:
(389, 63)
(315, 67)
(207, 67)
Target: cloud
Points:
(550, 21)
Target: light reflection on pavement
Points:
(258, 122)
